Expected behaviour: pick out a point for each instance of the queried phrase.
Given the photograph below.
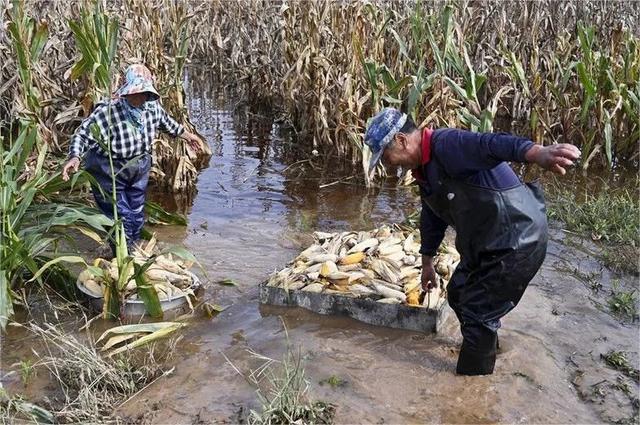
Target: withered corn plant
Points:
(552, 71)
(542, 69)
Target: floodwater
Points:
(255, 208)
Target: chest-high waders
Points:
(132, 178)
(502, 239)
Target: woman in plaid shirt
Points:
(130, 122)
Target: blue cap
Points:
(380, 132)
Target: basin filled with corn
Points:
(361, 273)
(171, 278)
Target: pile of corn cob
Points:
(383, 265)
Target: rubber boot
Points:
(478, 352)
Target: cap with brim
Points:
(381, 130)
(138, 79)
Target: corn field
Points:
(553, 71)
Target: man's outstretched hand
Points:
(554, 158)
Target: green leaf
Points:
(392, 100)
(401, 44)
(227, 282)
(121, 242)
(158, 215)
(585, 79)
(180, 252)
(66, 258)
(147, 293)
(37, 413)
(518, 71)
(462, 93)
(486, 121)
(371, 72)
(96, 271)
(585, 35)
(6, 304)
(413, 98)
(212, 310)
(125, 269)
(39, 40)
(395, 90)
(79, 69)
(388, 79)
(28, 146)
(113, 42)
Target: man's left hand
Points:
(193, 140)
(554, 158)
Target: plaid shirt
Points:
(126, 140)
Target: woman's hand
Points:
(193, 140)
(72, 166)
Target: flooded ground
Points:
(257, 204)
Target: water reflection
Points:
(259, 171)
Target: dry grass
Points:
(92, 386)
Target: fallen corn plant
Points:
(138, 335)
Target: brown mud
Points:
(257, 204)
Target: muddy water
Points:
(257, 205)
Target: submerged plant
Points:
(618, 360)
(623, 303)
(605, 215)
(26, 370)
(282, 388)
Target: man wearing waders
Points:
(131, 121)
(500, 223)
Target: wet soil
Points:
(256, 206)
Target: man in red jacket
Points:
(500, 222)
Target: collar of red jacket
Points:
(426, 153)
